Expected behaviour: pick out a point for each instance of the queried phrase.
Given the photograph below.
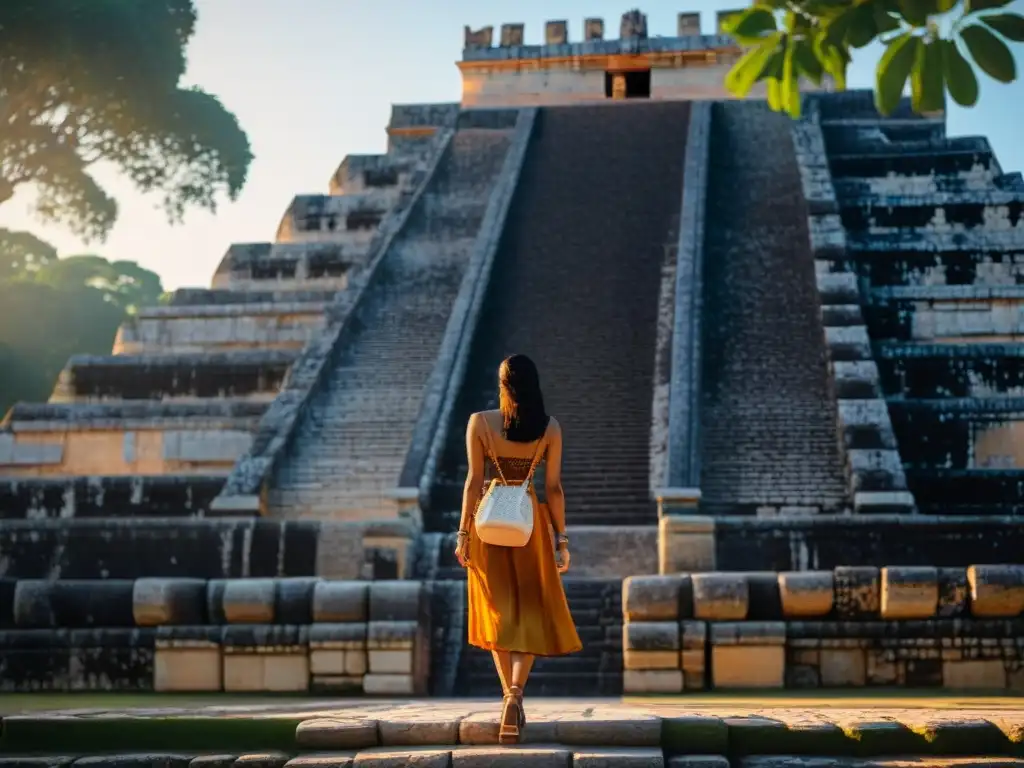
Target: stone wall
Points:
(131, 437)
(794, 542)
(107, 496)
(915, 626)
(350, 220)
(137, 547)
(233, 635)
(191, 330)
(237, 374)
(865, 434)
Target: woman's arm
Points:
(553, 479)
(475, 474)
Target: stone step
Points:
(566, 221)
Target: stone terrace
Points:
(597, 733)
(154, 428)
(934, 231)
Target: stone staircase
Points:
(934, 232)
(768, 415)
(461, 670)
(352, 442)
(575, 286)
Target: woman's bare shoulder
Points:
(480, 417)
(554, 428)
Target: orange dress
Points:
(516, 599)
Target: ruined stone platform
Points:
(703, 732)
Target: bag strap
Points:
(536, 458)
(490, 450)
(494, 458)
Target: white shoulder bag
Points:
(504, 517)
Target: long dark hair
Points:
(519, 397)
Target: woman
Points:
(517, 606)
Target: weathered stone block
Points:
(593, 29)
(652, 681)
(806, 593)
(391, 635)
(748, 666)
(336, 684)
(337, 662)
(286, 672)
(275, 672)
(987, 674)
(909, 592)
(692, 641)
(191, 670)
(996, 590)
(650, 659)
(686, 544)
(72, 603)
(395, 600)
(391, 662)
(338, 637)
(158, 602)
(388, 684)
(651, 598)
(243, 673)
(650, 636)
(954, 593)
(720, 596)
(340, 602)
(511, 35)
(843, 667)
(249, 601)
(294, 600)
(556, 33)
(764, 600)
(857, 592)
(758, 633)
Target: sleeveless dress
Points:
(516, 599)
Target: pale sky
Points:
(313, 80)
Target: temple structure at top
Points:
(686, 67)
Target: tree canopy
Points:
(53, 308)
(935, 44)
(87, 82)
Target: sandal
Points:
(511, 718)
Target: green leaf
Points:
(833, 57)
(945, 6)
(774, 95)
(790, 83)
(893, 70)
(958, 74)
(916, 11)
(926, 79)
(970, 6)
(807, 62)
(884, 21)
(990, 53)
(861, 27)
(749, 26)
(753, 66)
(1009, 25)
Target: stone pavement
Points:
(710, 733)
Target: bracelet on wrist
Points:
(463, 534)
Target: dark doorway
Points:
(628, 85)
